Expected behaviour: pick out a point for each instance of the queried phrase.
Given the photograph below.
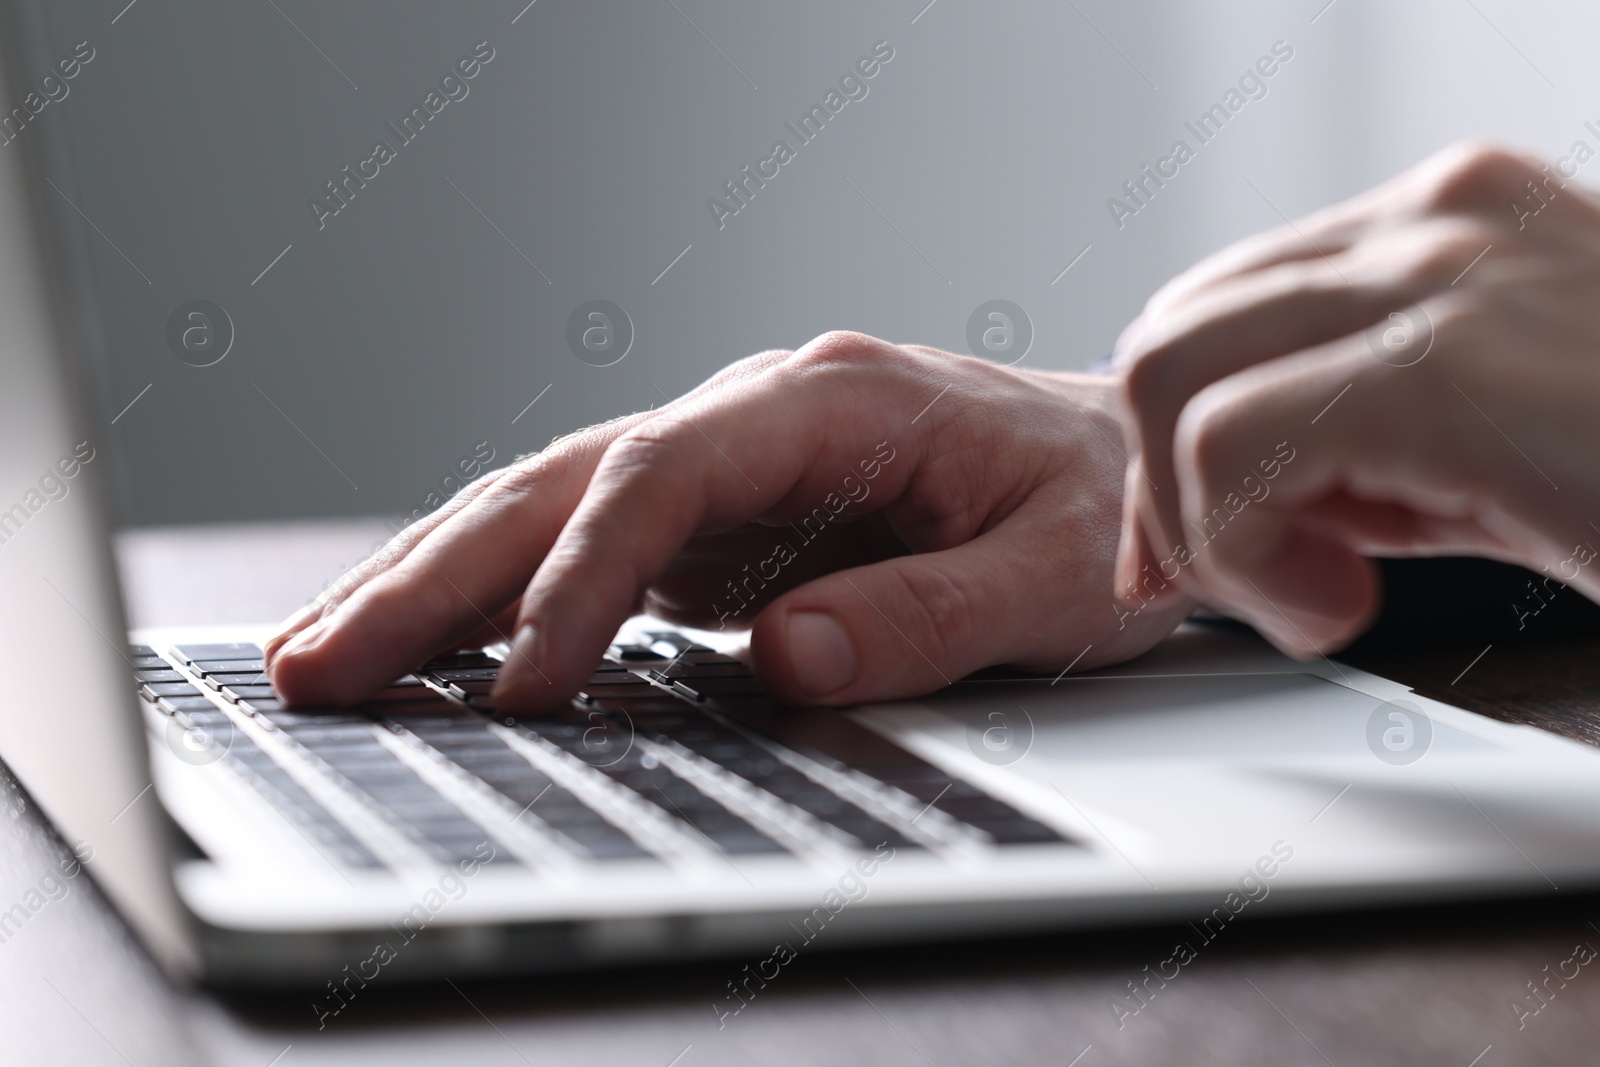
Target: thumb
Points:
(903, 626)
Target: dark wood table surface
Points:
(1414, 986)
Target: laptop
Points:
(673, 810)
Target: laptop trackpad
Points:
(1201, 766)
(1225, 718)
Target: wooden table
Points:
(1406, 987)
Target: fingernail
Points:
(524, 646)
(521, 663)
(820, 653)
(286, 633)
(303, 641)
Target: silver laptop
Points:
(673, 811)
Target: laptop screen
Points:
(68, 727)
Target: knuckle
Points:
(385, 559)
(1474, 175)
(475, 488)
(840, 348)
(1448, 249)
(937, 609)
(1207, 435)
(648, 447)
(523, 478)
(1147, 373)
(587, 439)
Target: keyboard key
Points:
(839, 742)
(237, 678)
(414, 806)
(730, 669)
(460, 659)
(226, 666)
(618, 690)
(465, 674)
(680, 644)
(637, 654)
(231, 650)
(706, 664)
(606, 670)
(285, 719)
(614, 674)
(405, 694)
(208, 717)
(607, 747)
(470, 745)
(651, 701)
(141, 650)
(148, 663)
(333, 733)
(324, 832)
(249, 692)
(174, 705)
(836, 741)
(428, 709)
(156, 690)
(716, 688)
(751, 761)
(166, 675)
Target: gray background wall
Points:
(379, 350)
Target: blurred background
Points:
(364, 355)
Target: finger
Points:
(1418, 237)
(1471, 178)
(1389, 528)
(1395, 460)
(915, 623)
(454, 576)
(1404, 240)
(1262, 317)
(1135, 558)
(498, 629)
(1259, 479)
(1325, 232)
(450, 583)
(780, 445)
(392, 552)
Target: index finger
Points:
(456, 575)
(442, 585)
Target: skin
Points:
(1485, 445)
(986, 536)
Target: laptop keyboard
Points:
(670, 751)
(207, 725)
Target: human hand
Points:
(909, 516)
(1412, 372)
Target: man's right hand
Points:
(887, 518)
